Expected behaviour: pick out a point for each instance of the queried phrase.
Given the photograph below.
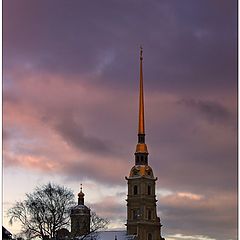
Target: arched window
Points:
(149, 214)
(149, 190)
(137, 160)
(149, 236)
(136, 213)
(135, 190)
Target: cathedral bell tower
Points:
(142, 219)
(80, 217)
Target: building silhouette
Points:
(143, 222)
(80, 217)
(6, 234)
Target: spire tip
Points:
(141, 52)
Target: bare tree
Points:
(96, 223)
(44, 211)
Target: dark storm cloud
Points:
(213, 111)
(185, 143)
(189, 214)
(103, 37)
(101, 170)
(73, 133)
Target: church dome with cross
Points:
(80, 217)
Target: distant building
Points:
(142, 220)
(63, 234)
(6, 234)
(110, 235)
(80, 217)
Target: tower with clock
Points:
(142, 219)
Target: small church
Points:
(143, 222)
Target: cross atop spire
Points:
(81, 196)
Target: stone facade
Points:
(142, 219)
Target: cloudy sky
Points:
(70, 105)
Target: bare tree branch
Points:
(96, 223)
(44, 211)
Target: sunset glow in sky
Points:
(70, 106)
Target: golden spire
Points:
(141, 100)
(141, 146)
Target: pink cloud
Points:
(81, 125)
(192, 196)
(199, 209)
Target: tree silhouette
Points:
(44, 211)
(96, 223)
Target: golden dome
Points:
(141, 171)
(141, 148)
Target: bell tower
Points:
(80, 217)
(142, 219)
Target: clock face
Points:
(141, 171)
(136, 171)
(148, 171)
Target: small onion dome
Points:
(141, 171)
(81, 194)
(80, 209)
(81, 197)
